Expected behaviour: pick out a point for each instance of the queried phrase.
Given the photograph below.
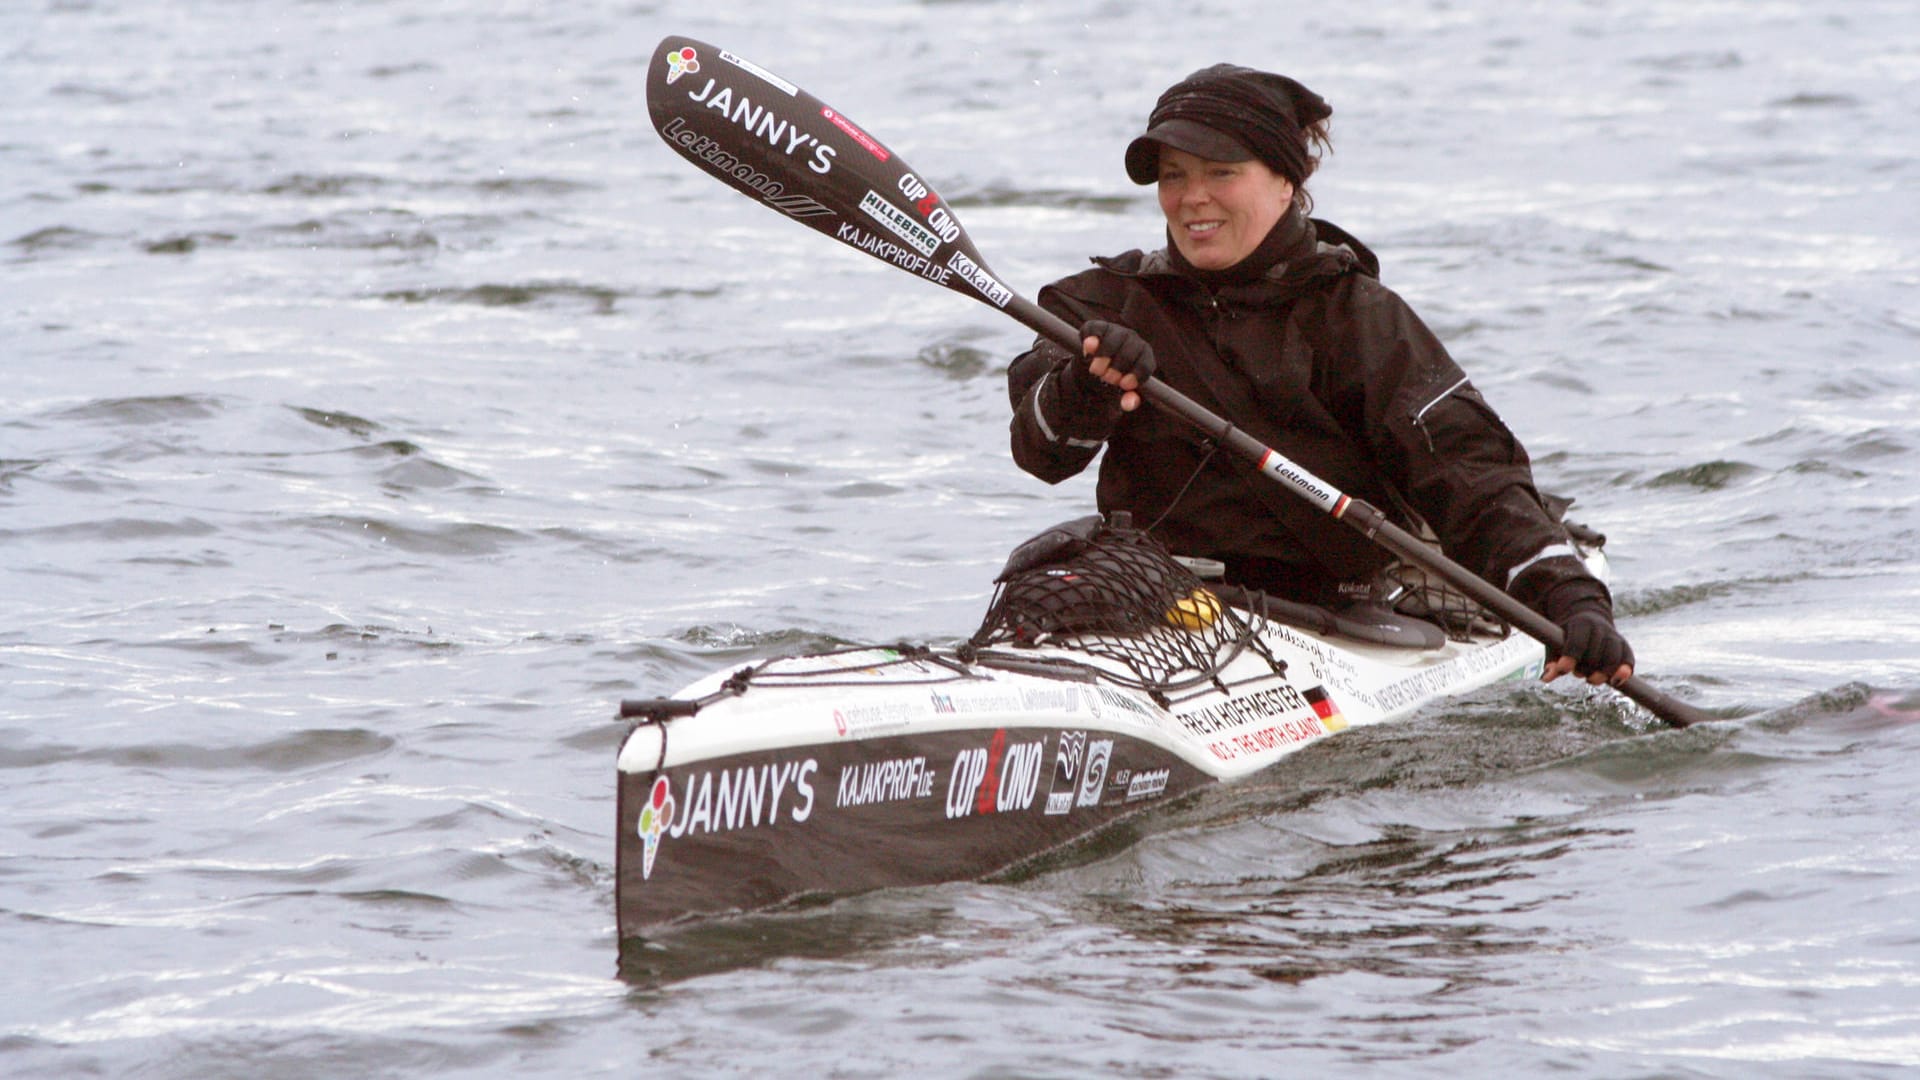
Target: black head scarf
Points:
(1231, 113)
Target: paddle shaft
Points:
(781, 146)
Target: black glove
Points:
(1127, 351)
(1584, 613)
(1087, 407)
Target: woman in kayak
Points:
(1278, 322)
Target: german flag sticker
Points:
(1326, 710)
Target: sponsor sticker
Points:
(762, 123)
(900, 223)
(995, 778)
(880, 718)
(865, 140)
(1060, 698)
(984, 283)
(1305, 483)
(1099, 757)
(655, 818)
(882, 248)
(1066, 771)
(724, 800)
(756, 70)
(1147, 784)
(893, 780)
(681, 61)
(928, 204)
(799, 206)
(1124, 700)
(722, 162)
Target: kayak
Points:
(813, 776)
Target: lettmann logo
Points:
(899, 224)
(1306, 484)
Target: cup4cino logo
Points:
(723, 800)
(928, 204)
(996, 778)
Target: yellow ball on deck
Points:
(1196, 612)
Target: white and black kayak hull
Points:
(875, 768)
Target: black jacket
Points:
(1318, 360)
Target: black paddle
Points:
(784, 147)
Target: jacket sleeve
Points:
(1061, 414)
(1443, 447)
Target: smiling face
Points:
(1219, 211)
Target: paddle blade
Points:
(783, 147)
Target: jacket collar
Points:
(1325, 250)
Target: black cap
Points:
(1231, 113)
(1143, 153)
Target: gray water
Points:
(383, 401)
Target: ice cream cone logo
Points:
(655, 817)
(680, 62)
